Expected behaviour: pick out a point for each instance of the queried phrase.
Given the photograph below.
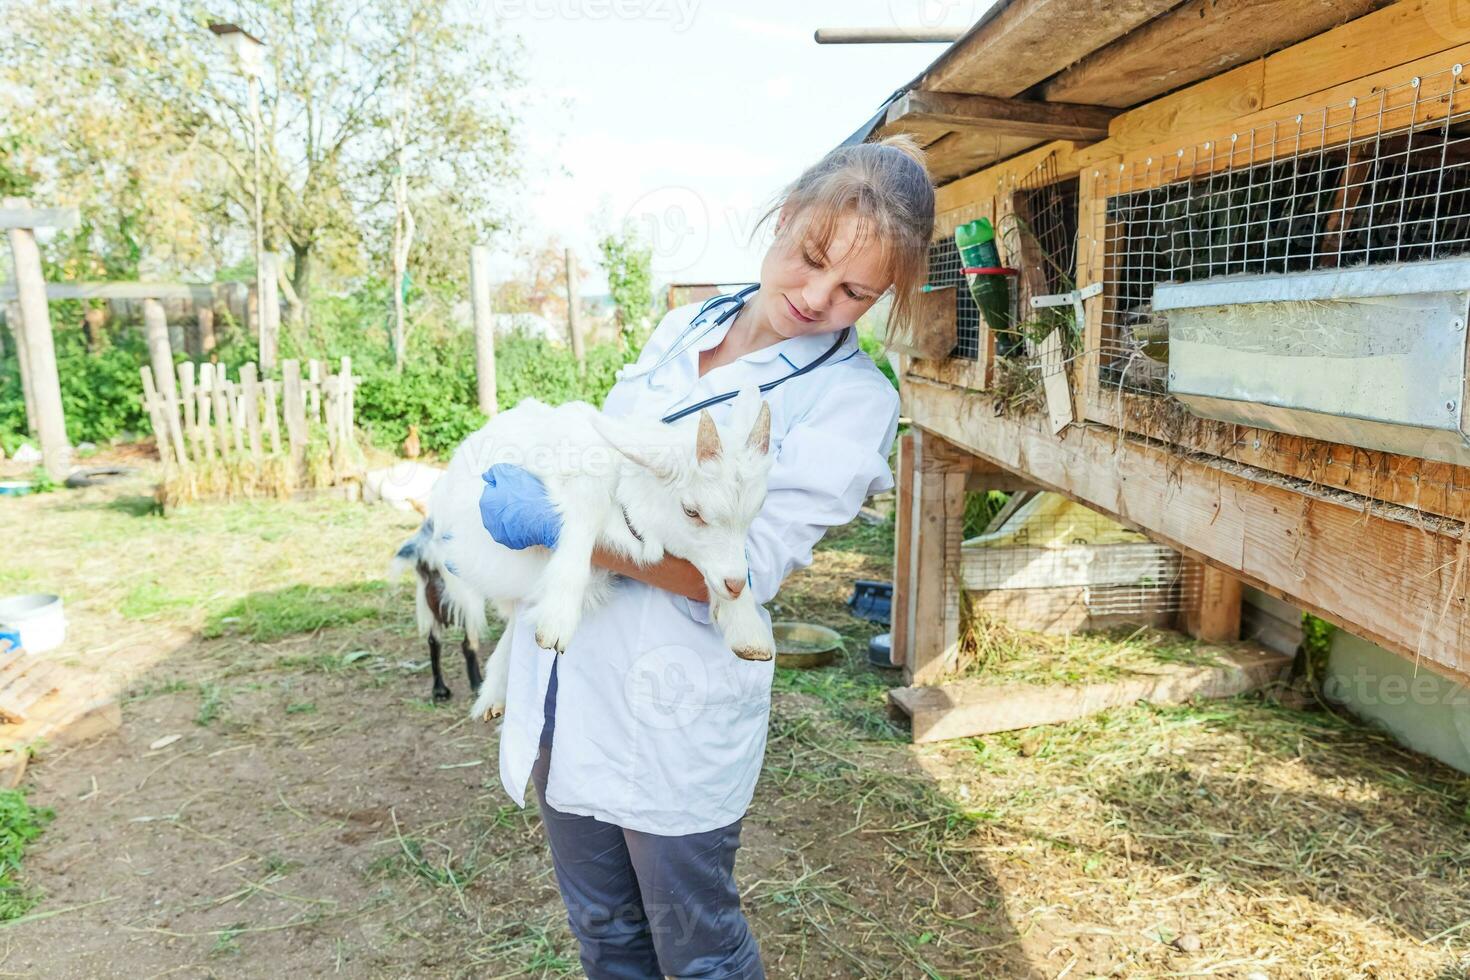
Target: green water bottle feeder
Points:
(989, 281)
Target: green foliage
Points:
(980, 510)
(16, 179)
(872, 345)
(628, 263)
(436, 391)
(20, 823)
(1316, 647)
(100, 393)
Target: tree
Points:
(130, 110)
(628, 264)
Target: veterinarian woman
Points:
(646, 740)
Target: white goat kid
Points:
(639, 488)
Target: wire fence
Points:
(1364, 182)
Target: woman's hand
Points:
(515, 509)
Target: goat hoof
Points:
(753, 653)
(549, 641)
(442, 694)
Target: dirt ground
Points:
(318, 816)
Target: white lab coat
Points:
(660, 728)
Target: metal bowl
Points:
(805, 644)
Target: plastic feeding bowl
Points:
(37, 618)
(805, 644)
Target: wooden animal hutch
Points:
(1242, 230)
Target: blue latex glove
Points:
(515, 509)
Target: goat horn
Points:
(707, 443)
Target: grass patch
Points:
(20, 823)
(268, 616)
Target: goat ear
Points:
(707, 443)
(759, 441)
(653, 457)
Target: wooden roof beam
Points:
(1009, 117)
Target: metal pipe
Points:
(888, 35)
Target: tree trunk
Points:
(301, 274)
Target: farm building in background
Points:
(1240, 236)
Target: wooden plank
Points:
(1397, 583)
(1029, 40)
(939, 492)
(1054, 382)
(1395, 35)
(202, 409)
(1214, 102)
(293, 406)
(237, 415)
(272, 427)
(314, 390)
(348, 435)
(187, 400)
(154, 407)
(965, 708)
(906, 519)
(15, 214)
(250, 393)
(1196, 40)
(1012, 117)
(1212, 609)
(983, 569)
(219, 395)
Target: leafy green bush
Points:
(100, 393)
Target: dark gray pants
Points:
(646, 905)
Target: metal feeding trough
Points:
(805, 644)
(1372, 356)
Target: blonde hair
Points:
(887, 187)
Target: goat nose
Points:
(735, 586)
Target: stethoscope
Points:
(734, 303)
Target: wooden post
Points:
(186, 397)
(1211, 611)
(345, 419)
(314, 390)
(250, 393)
(574, 310)
(201, 413)
(272, 428)
(13, 318)
(294, 407)
(931, 512)
(484, 328)
(160, 355)
(204, 341)
(270, 311)
(40, 349)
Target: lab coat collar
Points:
(797, 351)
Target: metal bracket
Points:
(1073, 299)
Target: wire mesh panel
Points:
(944, 270)
(1365, 182)
(1047, 563)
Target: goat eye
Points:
(693, 514)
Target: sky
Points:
(687, 117)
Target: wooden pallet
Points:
(963, 708)
(44, 706)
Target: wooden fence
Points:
(209, 417)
